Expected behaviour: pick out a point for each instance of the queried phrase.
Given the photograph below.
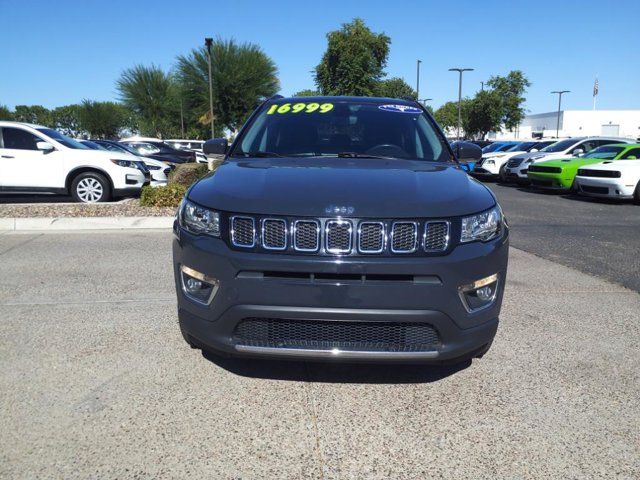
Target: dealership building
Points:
(576, 123)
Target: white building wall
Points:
(575, 123)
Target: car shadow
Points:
(329, 372)
(595, 200)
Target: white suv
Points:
(38, 159)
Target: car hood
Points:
(364, 187)
(99, 155)
(619, 165)
(570, 162)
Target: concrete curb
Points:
(84, 223)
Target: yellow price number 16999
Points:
(300, 108)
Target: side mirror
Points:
(577, 152)
(215, 146)
(533, 150)
(631, 157)
(467, 151)
(45, 147)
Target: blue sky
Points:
(56, 53)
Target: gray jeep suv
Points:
(340, 228)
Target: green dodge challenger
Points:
(560, 174)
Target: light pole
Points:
(482, 86)
(418, 62)
(559, 92)
(460, 70)
(208, 42)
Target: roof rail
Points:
(275, 97)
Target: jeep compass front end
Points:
(340, 228)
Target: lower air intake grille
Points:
(274, 234)
(404, 237)
(597, 190)
(307, 236)
(436, 236)
(243, 232)
(328, 335)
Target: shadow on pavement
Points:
(328, 372)
(41, 198)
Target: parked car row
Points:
(606, 167)
(37, 159)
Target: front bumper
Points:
(551, 181)
(604, 187)
(274, 286)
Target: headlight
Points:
(153, 167)
(199, 220)
(125, 163)
(483, 226)
(490, 162)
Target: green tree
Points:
(395, 88)
(447, 115)
(36, 114)
(102, 119)
(511, 90)
(242, 76)
(5, 113)
(307, 92)
(484, 114)
(153, 95)
(354, 61)
(66, 119)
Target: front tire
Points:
(636, 194)
(90, 187)
(502, 173)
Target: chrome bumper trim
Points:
(303, 352)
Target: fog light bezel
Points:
(190, 272)
(483, 282)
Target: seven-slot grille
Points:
(274, 234)
(337, 236)
(306, 235)
(404, 237)
(371, 238)
(436, 236)
(243, 231)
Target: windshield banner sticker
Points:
(400, 109)
(300, 108)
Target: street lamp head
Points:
(208, 42)
(561, 91)
(461, 69)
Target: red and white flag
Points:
(595, 88)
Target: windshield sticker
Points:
(400, 109)
(285, 108)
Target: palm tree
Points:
(242, 76)
(153, 95)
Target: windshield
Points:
(342, 128)
(63, 139)
(560, 146)
(606, 153)
(491, 148)
(522, 147)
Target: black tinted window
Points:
(19, 139)
(634, 152)
(326, 128)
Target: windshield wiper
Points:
(256, 154)
(364, 155)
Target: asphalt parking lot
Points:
(595, 236)
(97, 382)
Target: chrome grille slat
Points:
(371, 237)
(274, 234)
(243, 231)
(306, 235)
(404, 237)
(338, 235)
(436, 236)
